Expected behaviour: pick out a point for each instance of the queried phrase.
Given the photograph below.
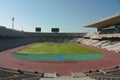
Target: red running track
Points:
(110, 60)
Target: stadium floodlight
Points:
(13, 22)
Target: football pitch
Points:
(57, 52)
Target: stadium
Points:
(62, 56)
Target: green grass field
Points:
(57, 48)
(57, 52)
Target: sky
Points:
(68, 15)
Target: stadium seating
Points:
(8, 74)
(11, 43)
(109, 44)
(107, 74)
(12, 38)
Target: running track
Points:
(110, 60)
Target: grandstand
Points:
(9, 74)
(107, 35)
(9, 37)
(106, 39)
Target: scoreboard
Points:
(55, 30)
(38, 29)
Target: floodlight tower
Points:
(13, 22)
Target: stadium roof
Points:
(115, 19)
